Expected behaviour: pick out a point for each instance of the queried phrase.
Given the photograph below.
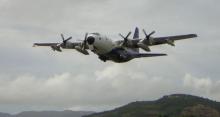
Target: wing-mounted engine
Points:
(147, 41)
(150, 40)
(68, 45)
(144, 43)
(56, 48)
(83, 51)
(127, 42)
(64, 44)
(82, 48)
(170, 42)
(143, 46)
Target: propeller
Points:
(83, 46)
(148, 37)
(65, 40)
(125, 38)
(63, 44)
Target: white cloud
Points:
(207, 87)
(201, 84)
(112, 86)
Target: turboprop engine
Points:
(56, 48)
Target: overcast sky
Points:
(40, 79)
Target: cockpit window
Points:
(95, 34)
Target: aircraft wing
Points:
(58, 46)
(170, 39)
(45, 44)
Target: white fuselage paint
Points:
(102, 44)
(107, 49)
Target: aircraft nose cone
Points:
(90, 40)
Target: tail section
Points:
(136, 33)
(136, 36)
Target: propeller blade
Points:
(84, 42)
(121, 35)
(148, 36)
(151, 33)
(63, 44)
(148, 39)
(62, 37)
(68, 39)
(125, 38)
(128, 35)
(86, 35)
(65, 40)
(145, 33)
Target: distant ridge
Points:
(176, 105)
(4, 115)
(66, 113)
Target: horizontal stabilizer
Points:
(149, 55)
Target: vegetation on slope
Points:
(177, 105)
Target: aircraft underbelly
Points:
(119, 55)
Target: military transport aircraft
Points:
(118, 51)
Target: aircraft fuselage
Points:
(107, 49)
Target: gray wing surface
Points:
(55, 44)
(45, 44)
(163, 40)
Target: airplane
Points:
(119, 51)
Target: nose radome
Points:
(90, 40)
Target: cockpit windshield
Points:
(98, 34)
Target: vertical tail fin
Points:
(136, 33)
(136, 36)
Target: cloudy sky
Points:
(40, 79)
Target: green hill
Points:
(177, 105)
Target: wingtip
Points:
(194, 35)
(164, 54)
(34, 45)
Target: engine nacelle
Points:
(56, 48)
(68, 45)
(79, 49)
(144, 46)
(170, 42)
